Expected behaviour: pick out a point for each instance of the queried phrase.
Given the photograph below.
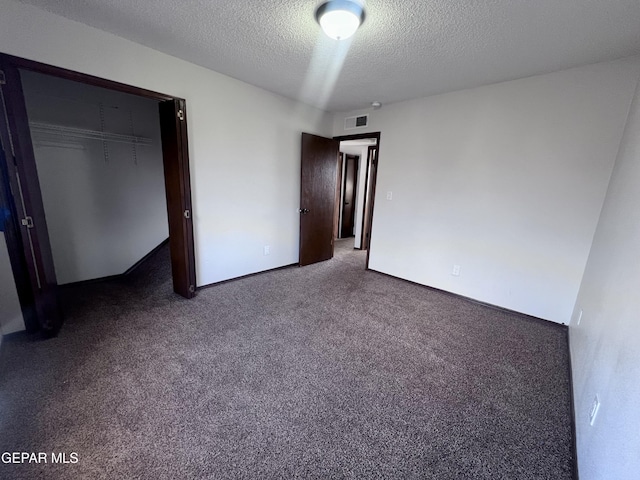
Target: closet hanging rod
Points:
(72, 132)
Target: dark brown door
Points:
(349, 196)
(173, 124)
(33, 242)
(370, 187)
(319, 162)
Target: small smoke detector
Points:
(376, 105)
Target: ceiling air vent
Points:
(356, 122)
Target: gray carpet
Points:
(326, 371)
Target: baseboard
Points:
(118, 276)
(214, 284)
(473, 300)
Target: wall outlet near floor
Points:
(456, 271)
(579, 317)
(595, 406)
(267, 250)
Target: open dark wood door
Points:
(175, 153)
(32, 240)
(319, 171)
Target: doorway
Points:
(99, 161)
(321, 184)
(364, 147)
(348, 195)
(28, 238)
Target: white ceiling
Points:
(405, 48)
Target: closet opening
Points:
(97, 177)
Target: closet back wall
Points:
(104, 201)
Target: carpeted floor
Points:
(326, 371)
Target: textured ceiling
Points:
(405, 49)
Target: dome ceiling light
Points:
(340, 19)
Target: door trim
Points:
(336, 220)
(372, 160)
(374, 179)
(22, 137)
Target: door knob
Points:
(304, 211)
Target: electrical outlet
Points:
(579, 317)
(595, 406)
(267, 250)
(389, 195)
(456, 271)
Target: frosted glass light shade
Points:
(339, 24)
(340, 19)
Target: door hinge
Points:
(181, 115)
(27, 222)
(187, 214)
(192, 288)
